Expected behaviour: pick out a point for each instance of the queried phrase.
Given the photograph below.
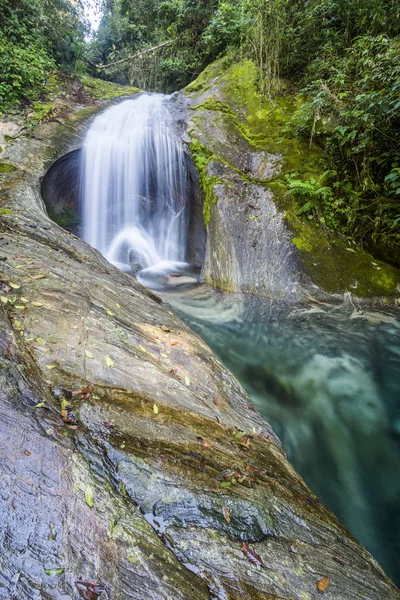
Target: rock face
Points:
(133, 465)
(257, 243)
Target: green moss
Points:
(67, 218)
(202, 156)
(7, 167)
(43, 111)
(204, 80)
(105, 90)
(331, 263)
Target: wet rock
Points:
(124, 441)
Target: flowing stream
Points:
(327, 377)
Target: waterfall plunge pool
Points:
(327, 377)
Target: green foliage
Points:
(35, 36)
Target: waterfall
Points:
(134, 186)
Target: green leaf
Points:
(240, 434)
(89, 496)
(14, 286)
(57, 571)
(225, 484)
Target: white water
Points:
(135, 186)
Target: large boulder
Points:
(257, 243)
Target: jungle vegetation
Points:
(342, 57)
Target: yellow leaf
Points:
(142, 349)
(14, 286)
(40, 405)
(37, 303)
(24, 299)
(20, 306)
(155, 409)
(118, 306)
(322, 584)
(164, 355)
(187, 380)
(88, 354)
(226, 514)
(109, 361)
(40, 341)
(49, 367)
(109, 312)
(4, 299)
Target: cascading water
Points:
(135, 187)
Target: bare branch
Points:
(147, 51)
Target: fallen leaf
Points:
(24, 299)
(39, 276)
(89, 590)
(251, 469)
(239, 435)
(187, 380)
(27, 452)
(164, 355)
(108, 311)
(20, 306)
(226, 514)
(4, 299)
(322, 584)
(58, 571)
(218, 403)
(174, 343)
(109, 361)
(164, 328)
(251, 554)
(88, 354)
(40, 341)
(14, 286)
(37, 303)
(49, 367)
(89, 496)
(225, 484)
(64, 414)
(155, 409)
(39, 405)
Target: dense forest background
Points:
(342, 58)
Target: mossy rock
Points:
(7, 167)
(105, 90)
(244, 123)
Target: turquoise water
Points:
(327, 378)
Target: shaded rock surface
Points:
(129, 456)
